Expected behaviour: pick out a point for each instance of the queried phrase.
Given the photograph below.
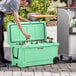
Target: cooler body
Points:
(30, 53)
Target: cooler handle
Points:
(17, 53)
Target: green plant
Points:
(74, 24)
(39, 6)
(7, 18)
(52, 9)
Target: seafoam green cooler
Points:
(31, 53)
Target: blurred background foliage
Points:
(37, 6)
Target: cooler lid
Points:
(37, 31)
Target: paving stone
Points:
(55, 66)
(54, 70)
(17, 73)
(64, 74)
(8, 73)
(64, 70)
(40, 67)
(24, 69)
(47, 67)
(73, 74)
(56, 74)
(62, 66)
(16, 69)
(72, 64)
(4, 69)
(10, 68)
(1, 73)
(38, 73)
(47, 73)
(32, 68)
(72, 69)
(68, 65)
(28, 73)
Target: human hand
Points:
(26, 35)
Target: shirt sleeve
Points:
(15, 5)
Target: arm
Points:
(25, 20)
(16, 17)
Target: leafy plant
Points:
(74, 24)
(52, 9)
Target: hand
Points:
(26, 35)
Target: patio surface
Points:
(60, 69)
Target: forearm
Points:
(16, 17)
(25, 20)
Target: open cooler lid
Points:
(37, 31)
